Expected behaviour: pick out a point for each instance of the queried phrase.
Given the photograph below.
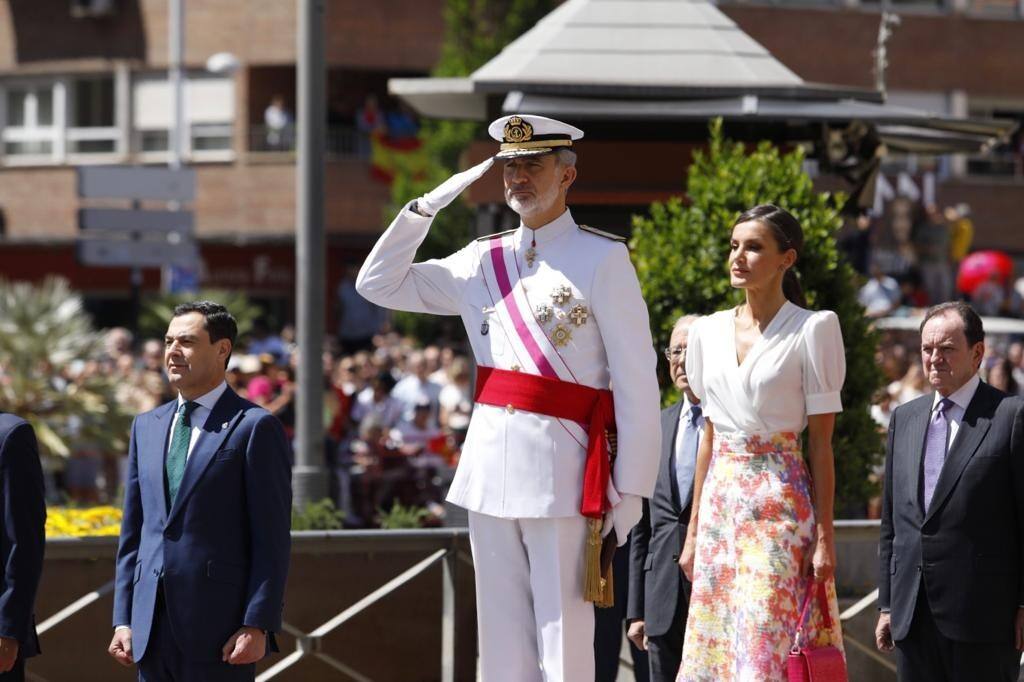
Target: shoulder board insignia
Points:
(488, 237)
(602, 233)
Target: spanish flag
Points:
(391, 155)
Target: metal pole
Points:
(448, 612)
(309, 480)
(176, 49)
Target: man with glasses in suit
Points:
(657, 624)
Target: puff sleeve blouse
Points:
(795, 369)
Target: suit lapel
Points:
(973, 427)
(668, 447)
(917, 427)
(152, 449)
(223, 417)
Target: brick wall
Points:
(927, 52)
(396, 34)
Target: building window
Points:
(92, 128)
(209, 116)
(29, 130)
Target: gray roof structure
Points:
(646, 43)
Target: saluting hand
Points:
(445, 193)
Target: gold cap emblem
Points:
(517, 130)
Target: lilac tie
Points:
(935, 449)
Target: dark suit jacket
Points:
(23, 536)
(657, 542)
(966, 550)
(222, 549)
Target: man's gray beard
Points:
(537, 204)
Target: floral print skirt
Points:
(755, 527)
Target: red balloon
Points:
(979, 266)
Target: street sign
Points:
(125, 220)
(137, 183)
(114, 253)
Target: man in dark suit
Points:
(204, 549)
(659, 593)
(22, 539)
(951, 584)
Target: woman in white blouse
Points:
(761, 524)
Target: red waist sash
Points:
(592, 408)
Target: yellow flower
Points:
(71, 522)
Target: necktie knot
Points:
(943, 405)
(695, 414)
(186, 409)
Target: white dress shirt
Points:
(961, 398)
(199, 414)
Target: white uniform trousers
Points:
(533, 622)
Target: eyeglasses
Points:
(674, 353)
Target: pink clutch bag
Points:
(815, 664)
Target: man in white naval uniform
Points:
(554, 302)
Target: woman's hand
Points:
(686, 556)
(822, 564)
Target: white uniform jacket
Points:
(576, 314)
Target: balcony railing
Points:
(341, 142)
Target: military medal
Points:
(561, 295)
(544, 313)
(561, 335)
(579, 314)
(531, 253)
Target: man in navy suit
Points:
(951, 548)
(204, 549)
(659, 593)
(22, 539)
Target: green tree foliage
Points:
(48, 375)
(475, 31)
(157, 311)
(680, 251)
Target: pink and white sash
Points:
(531, 344)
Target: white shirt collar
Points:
(547, 233)
(210, 399)
(962, 396)
(684, 413)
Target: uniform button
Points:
(510, 408)
(516, 368)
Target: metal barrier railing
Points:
(444, 546)
(447, 547)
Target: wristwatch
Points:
(415, 208)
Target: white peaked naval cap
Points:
(528, 135)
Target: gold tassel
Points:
(596, 588)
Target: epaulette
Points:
(602, 233)
(487, 237)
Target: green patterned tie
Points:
(177, 454)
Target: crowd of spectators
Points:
(395, 415)
(910, 258)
